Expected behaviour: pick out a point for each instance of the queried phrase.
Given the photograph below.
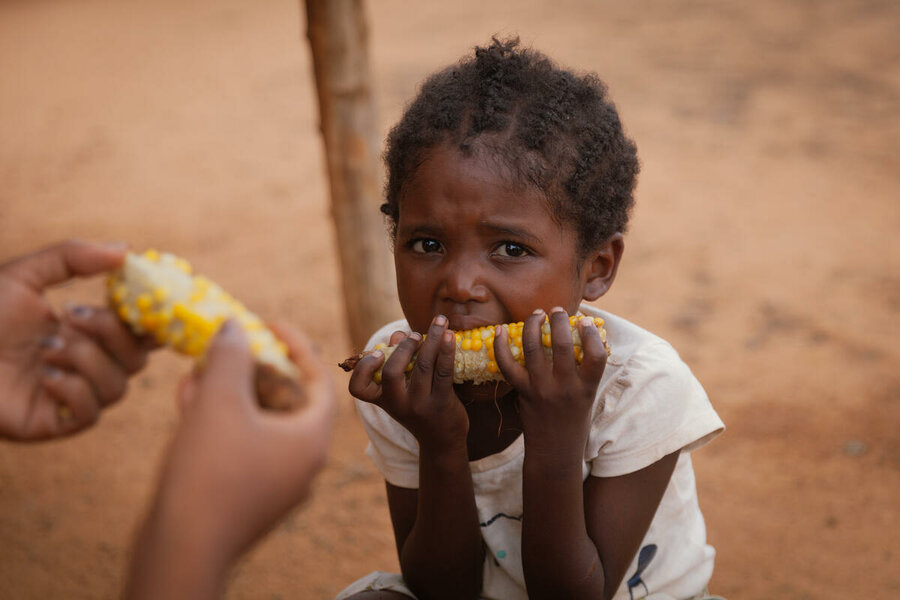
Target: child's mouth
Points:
(464, 322)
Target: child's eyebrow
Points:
(509, 231)
(419, 231)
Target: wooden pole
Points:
(338, 36)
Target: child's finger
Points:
(421, 380)
(79, 353)
(514, 373)
(594, 361)
(442, 381)
(100, 323)
(535, 358)
(397, 337)
(65, 260)
(561, 343)
(362, 384)
(393, 374)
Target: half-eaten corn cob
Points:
(474, 359)
(156, 294)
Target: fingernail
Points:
(557, 309)
(539, 311)
(587, 322)
(79, 311)
(377, 353)
(50, 372)
(440, 320)
(415, 335)
(52, 342)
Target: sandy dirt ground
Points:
(764, 246)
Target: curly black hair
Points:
(554, 129)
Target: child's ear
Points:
(601, 265)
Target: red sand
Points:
(763, 246)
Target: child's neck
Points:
(494, 421)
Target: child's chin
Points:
(489, 391)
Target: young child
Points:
(510, 185)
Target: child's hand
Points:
(233, 469)
(57, 375)
(555, 394)
(425, 403)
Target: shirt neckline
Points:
(493, 461)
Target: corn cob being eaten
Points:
(474, 359)
(156, 294)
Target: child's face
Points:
(474, 248)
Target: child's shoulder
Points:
(384, 334)
(627, 340)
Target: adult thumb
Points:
(62, 261)
(229, 364)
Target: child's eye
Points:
(426, 246)
(511, 249)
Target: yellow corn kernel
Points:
(118, 293)
(156, 294)
(475, 359)
(183, 265)
(144, 302)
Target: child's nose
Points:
(462, 283)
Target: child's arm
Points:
(436, 527)
(578, 538)
(232, 470)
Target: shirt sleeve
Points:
(651, 407)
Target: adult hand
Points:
(58, 372)
(232, 471)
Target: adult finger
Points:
(514, 373)
(229, 365)
(79, 353)
(62, 261)
(318, 383)
(77, 405)
(535, 358)
(593, 362)
(561, 343)
(121, 344)
(186, 391)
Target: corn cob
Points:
(474, 359)
(156, 294)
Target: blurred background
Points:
(763, 245)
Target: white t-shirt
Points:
(648, 405)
